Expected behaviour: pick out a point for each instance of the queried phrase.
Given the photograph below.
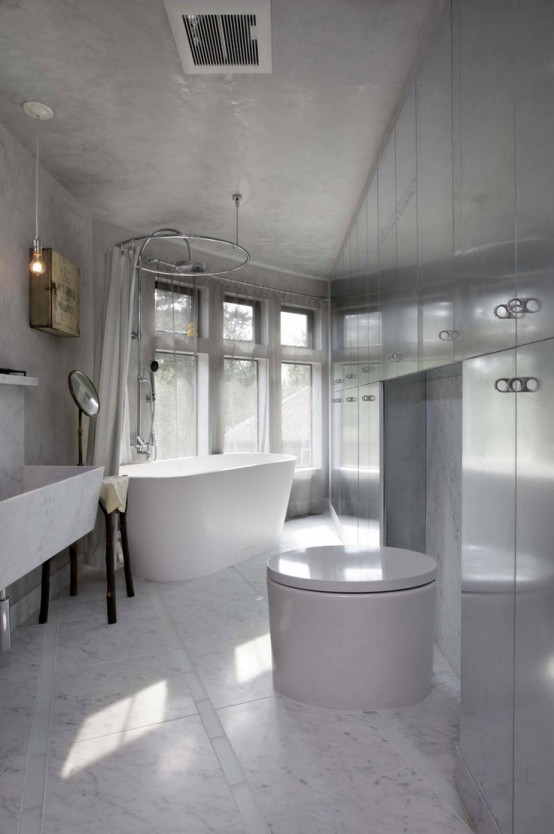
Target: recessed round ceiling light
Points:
(37, 110)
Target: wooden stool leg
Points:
(73, 571)
(44, 592)
(110, 568)
(126, 555)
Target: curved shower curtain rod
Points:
(175, 234)
(172, 234)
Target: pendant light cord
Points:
(36, 181)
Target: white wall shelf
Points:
(15, 379)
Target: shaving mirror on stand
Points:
(88, 402)
(86, 398)
(113, 501)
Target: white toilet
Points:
(352, 628)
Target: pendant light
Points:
(40, 112)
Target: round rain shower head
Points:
(188, 268)
(224, 249)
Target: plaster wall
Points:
(50, 415)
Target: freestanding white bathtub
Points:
(193, 516)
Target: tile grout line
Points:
(31, 816)
(230, 766)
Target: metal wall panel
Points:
(341, 289)
(534, 110)
(369, 495)
(406, 190)
(390, 358)
(374, 315)
(434, 200)
(373, 236)
(488, 589)
(386, 183)
(534, 607)
(483, 218)
(486, 266)
(349, 467)
(457, 236)
(406, 235)
(335, 453)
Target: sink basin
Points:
(56, 507)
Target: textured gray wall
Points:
(64, 225)
(444, 502)
(423, 484)
(404, 462)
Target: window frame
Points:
(260, 384)
(195, 357)
(310, 325)
(179, 288)
(229, 298)
(314, 423)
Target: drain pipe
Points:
(5, 628)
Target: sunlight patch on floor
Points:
(124, 717)
(253, 658)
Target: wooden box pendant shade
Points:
(54, 296)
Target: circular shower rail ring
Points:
(172, 235)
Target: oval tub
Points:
(190, 517)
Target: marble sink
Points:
(56, 506)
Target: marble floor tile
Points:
(10, 818)
(297, 752)
(92, 583)
(94, 612)
(119, 695)
(129, 753)
(17, 710)
(254, 571)
(234, 671)
(161, 778)
(432, 725)
(230, 647)
(26, 651)
(208, 616)
(223, 586)
(88, 642)
(18, 685)
(395, 803)
(12, 784)
(91, 610)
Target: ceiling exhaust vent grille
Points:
(222, 40)
(229, 36)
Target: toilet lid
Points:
(352, 570)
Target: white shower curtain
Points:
(109, 435)
(109, 445)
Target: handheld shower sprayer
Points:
(153, 368)
(144, 447)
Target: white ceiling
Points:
(142, 145)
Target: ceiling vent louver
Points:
(222, 36)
